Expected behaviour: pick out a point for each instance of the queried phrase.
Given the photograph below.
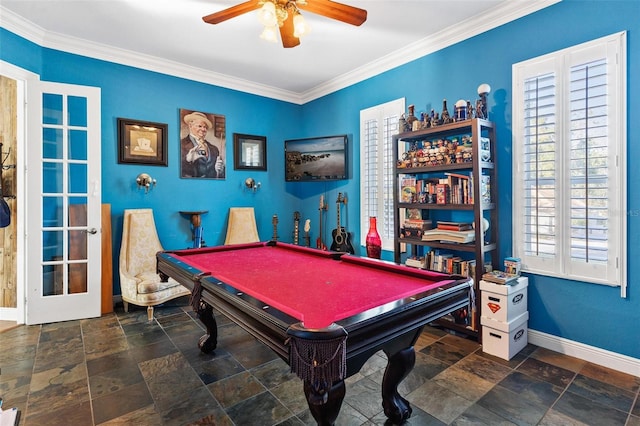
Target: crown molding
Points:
(507, 12)
(52, 40)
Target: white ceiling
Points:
(169, 36)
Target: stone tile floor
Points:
(121, 369)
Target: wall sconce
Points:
(251, 184)
(146, 181)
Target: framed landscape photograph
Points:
(249, 152)
(142, 142)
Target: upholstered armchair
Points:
(139, 282)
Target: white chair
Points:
(241, 227)
(139, 282)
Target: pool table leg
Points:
(400, 364)
(325, 406)
(209, 341)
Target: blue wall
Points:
(591, 314)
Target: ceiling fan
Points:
(284, 15)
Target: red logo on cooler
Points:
(494, 307)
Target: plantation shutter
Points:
(377, 127)
(569, 180)
(540, 167)
(589, 165)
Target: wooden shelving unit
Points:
(484, 249)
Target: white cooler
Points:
(503, 302)
(504, 339)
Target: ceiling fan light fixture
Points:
(267, 14)
(283, 16)
(300, 26)
(270, 33)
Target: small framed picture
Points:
(249, 152)
(142, 142)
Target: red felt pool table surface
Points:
(308, 284)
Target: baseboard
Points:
(9, 314)
(613, 360)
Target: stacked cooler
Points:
(504, 317)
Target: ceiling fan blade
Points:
(334, 10)
(232, 12)
(286, 33)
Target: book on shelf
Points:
(415, 214)
(447, 263)
(471, 270)
(454, 226)
(414, 229)
(408, 190)
(458, 187)
(443, 235)
(423, 224)
(500, 277)
(413, 225)
(415, 262)
(442, 193)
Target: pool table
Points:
(324, 313)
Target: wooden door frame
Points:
(23, 78)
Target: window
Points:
(377, 126)
(569, 145)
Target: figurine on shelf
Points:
(432, 119)
(426, 120)
(479, 109)
(460, 110)
(469, 110)
(411, 118)
(481, 106)
(402, 124)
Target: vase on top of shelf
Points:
(373, 241)
(445, 118)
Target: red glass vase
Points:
(374, 243)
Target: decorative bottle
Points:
(411, 118)
(374, 243)
(445, 117)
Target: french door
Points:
(63, 274)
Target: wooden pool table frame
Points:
(392, 328)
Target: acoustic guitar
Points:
(319, 243)
(341, 238)
(307, 237)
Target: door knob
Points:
(92, 231)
